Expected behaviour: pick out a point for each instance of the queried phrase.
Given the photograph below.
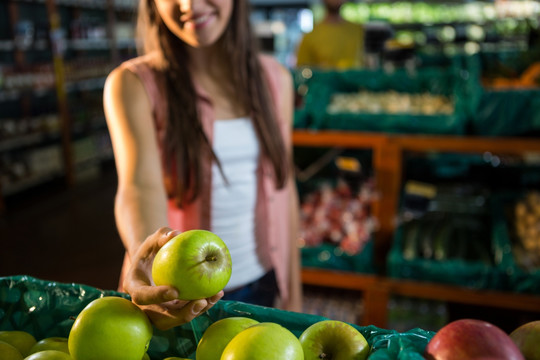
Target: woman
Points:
(200, 125)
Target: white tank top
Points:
(233, 202)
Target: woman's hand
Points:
(160, 303)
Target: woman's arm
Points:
(140, 204)
(287, 109)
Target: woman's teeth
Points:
(201, 19)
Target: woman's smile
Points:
(198, 21)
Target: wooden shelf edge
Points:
(338, 279)
(456, 294)
(425, 290)
(417, 142)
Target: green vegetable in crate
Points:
(21, 340)
(264, 341)
(527, 224)
(219, 334)
(441, 242)
(196, 262)
(410, 243)
(9, 352)
(332, 339)
(50, 343)
(110, 328)
(49, 355)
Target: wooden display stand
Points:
(388, 151)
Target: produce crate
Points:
(467, 265)
(451, 83)
(47, 309)
(331, 257)
(522, 279)
(507, 113)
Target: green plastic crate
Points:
(452, 82)
(508, 113)
(46, 309)
(473, 274)
(330, 257)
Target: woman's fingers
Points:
(165, 317)
(213, 300)
(148, 294)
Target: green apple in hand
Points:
(9, 352)
(49, 355)
(110, 328)
(264, 341)
(217, 336)
(51, 343)
(196, 262)
(332, 339)
(21, 340)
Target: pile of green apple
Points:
(107, 328)
(243, 338)
(19, 345)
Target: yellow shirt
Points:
(332, 46)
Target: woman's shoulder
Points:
(129, 79)
(140, 63)
(137, 73)
(275, 70)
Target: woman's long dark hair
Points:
(186, 145)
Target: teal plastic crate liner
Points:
(475, 274)
(47, 309)
(331, 257)
(521, 280)
(452, 82)
(508, 113)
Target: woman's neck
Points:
(206, 60)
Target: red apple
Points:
(471, 339)
(527, 339)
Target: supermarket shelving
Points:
(388, 152)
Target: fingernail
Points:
(197, 308)
(171, 295)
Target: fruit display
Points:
(21, 340)
(336, 215)
(390, 102)
(109, 328)
(49, 309)
(19, 345)
(526, 217)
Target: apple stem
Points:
(211, 258)
(324, 356)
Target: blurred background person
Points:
(334, 43)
